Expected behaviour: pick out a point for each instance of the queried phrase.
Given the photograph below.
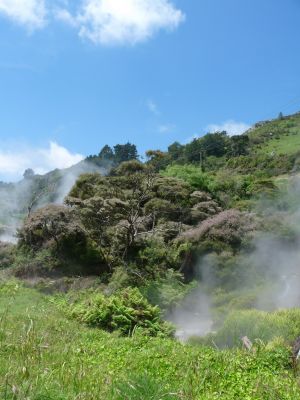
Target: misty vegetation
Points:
(172, 277)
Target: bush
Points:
(56, 231)
(190, 174)
(29, 264)
(51, 226)
(229, 227)
(6, 255)
(124, 311)
(167, 291)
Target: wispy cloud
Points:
(231, 127)
(13, 163)
(30, 13)
(153, 107)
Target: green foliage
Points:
(141, 387)
(157, 257)
(125, 152)
(124, 311)
(167, 291)
(46, 356)
(130, 167)
(239, 145)
(108, 157)
(259, 325)
(214, 144)
(106, 153)
(190, 174)
(86, 186)
(157, 159)
(6, 255)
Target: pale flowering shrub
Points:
(228, 226)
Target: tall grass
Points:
(45, 356)
(260, 325)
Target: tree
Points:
(125, 152)
(239, 145)
(214, 144)
(157, 159)
(141, 184)
(50, 224)
(112, 213)
(194, 151)
(106, 153)
(175, 150)
(28, 173)
(39, 189)
(128, 168)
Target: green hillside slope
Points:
(279, 136)
(44, 356)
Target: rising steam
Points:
(16, 198)
(271, 269)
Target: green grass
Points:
(289, 144)
(45, 356)
(261, 325)
(281, 136)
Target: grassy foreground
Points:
(44, 356)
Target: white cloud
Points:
(31, 13)
(100, 21)
(123, 21)
(41, 160)
(65, 16)
(231, 127)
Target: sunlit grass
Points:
(286, 144)
(45, 356)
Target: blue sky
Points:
(75, 75)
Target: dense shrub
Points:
(190, 174)
(56, 232)
(167, 291)
(50, 225)
(6, 255)
(229, 227)
(125, 311)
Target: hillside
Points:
(279, 136)
(46, 356)
(173, 278)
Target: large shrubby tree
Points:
(55, 230)
(135, 219)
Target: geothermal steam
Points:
(272, 266)
(15, 198)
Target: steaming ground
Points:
(193, 316)
(271, 269)
(16, 197)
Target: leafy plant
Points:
(124, 311)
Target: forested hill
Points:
(270, 147)
(198, 243)
(116, 206)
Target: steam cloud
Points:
(272, 267)
(15, 197)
